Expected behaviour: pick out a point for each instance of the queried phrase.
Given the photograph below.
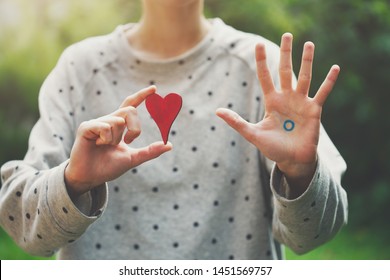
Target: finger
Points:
(236, 122)
(150, 152)
(105, 136)
(138, 97)
(327, 85)
(102, 131)
(112, 132)
(130, 116)
(285, 65)
(95, 131)
(133, 126)
(263, 73)
(305, 73)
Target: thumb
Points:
(237, 123)
(150, 152)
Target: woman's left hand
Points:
(289, 132)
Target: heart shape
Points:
(164, 111)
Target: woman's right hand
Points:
(101, 152)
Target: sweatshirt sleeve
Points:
(35, 208)
(318, 214)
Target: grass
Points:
(367, 243)
(10, 251)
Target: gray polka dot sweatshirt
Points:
(214, 196)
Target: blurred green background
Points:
(352, 33)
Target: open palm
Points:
(289, 132)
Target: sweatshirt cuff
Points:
(73, 217)
(281, 189)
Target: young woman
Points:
(91, 185)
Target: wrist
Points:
(298, 176)
(297, 171)
(74, 187)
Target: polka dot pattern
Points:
(199, 198)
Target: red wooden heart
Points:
(164, 111)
